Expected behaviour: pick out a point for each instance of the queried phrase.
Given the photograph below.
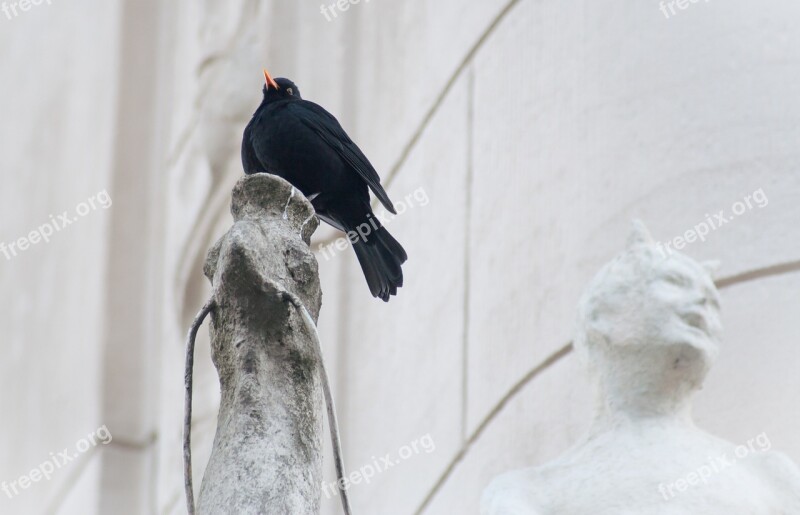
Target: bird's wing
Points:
(250, 159)
(331, 132)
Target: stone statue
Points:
(649, 329)
(267, 454)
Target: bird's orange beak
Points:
(270, 82)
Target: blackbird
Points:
(303, 143)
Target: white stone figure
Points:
(649, 329)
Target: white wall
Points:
(58, 95)
(536, 130)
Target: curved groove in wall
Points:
(426, 120)
(759, 273)
(725, 282)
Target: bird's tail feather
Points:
(381, 257)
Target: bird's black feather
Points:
(329, 130)
(304, 144)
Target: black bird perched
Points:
(303, 143)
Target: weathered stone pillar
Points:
(267, 454)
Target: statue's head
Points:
(651, 318)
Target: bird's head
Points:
(279, 88)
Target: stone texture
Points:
(267, 451)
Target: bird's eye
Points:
(290, 91)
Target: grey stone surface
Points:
(267, 455)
